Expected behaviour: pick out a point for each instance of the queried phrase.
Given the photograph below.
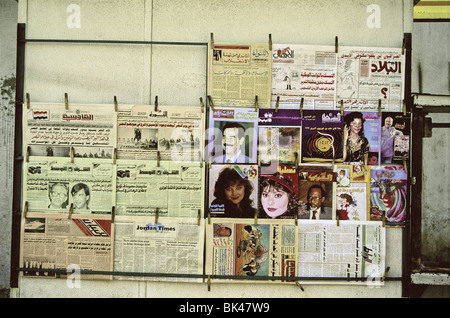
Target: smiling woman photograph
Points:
(232, 192)
(355, 144)
(278, 198)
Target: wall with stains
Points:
(95, 73)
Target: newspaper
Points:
(304, 71)
(368, 75)
(243, 248)
(351, 250)
(51, 130)
(84, 242)
(238, 72)
(54, 184)
(175, 189)
(175, 132)
(170, 246)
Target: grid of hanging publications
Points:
(294, 168)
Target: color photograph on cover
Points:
(279, 136)
(315, 190)
(388, 194)
(322, 133)
(233, 135)
(278, 192)
(394, 137)
(233, 190)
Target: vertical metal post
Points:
(18, 157)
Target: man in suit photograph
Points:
(315, 210)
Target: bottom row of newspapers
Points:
(189, 250)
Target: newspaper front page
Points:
(175, 132)
(238, 72)
(52, 130)
(57, 185)
(351, 250)
(174, 189)
(83, 242)
(369, 75)
(243, 248)
(307, 71)
(168, 246)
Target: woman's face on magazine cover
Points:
(235, 192)
(274, 201)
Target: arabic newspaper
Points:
(238, 72)
(49, 241)
(306, 71)
(170, 246)
(243, 248)
(175, 189)
(51, 130)
(367, 75)
(352, 249)
(176, 132)
(57, 185)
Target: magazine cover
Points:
(388, 194)
(394, 137)
(279, 136)
(352, 192)
(243, 248)
(322, 133)
(233, 135)
(278, 192)
(233, 190)
(362, 133)
(316, 193)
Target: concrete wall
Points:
(177, 75)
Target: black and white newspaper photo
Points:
(172, 189)
(52, 130)
(175, 132)
(86, 186)
(239, 74)
(83, 242)
(166, 246)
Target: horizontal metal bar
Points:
(175, 275)
(440, 125)
(113, 42)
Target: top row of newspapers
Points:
(306, 76)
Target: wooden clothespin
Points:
(115, 156)
(296, 218)
(404, 108)
(212, 40)
(270, 42)
(202, 106)
(337, 219)
(70, 211)
(383, 219)
(405, 166)
(209, 216)
(209, 282)
(342, 107)
(298, 284)
(296, 160)
(113, 214)
(198, 217)
(28, 100)
(210, 102)
(256, 217)
(25, 210)
(403, 45)
(72, 155)
(115, 104)
(385, 273)
(256, 102)
(209, 165)
(156, 216)
(66, 100)
(158, 158)
(27, 154)
(156, 103)
(301, 106)
(277, 104)
(379, 107)
(336, 44)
